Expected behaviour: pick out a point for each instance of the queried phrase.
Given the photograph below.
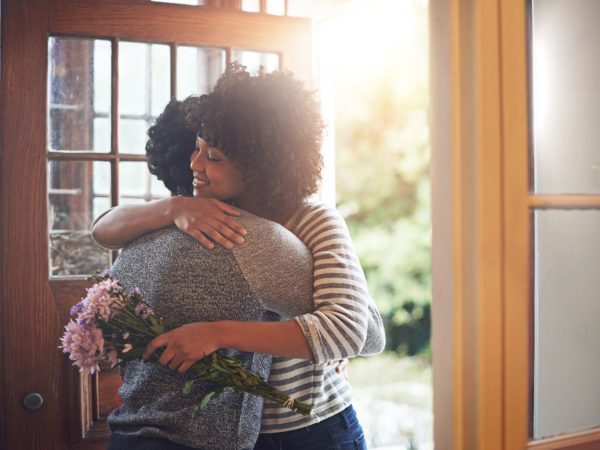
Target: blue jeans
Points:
(341, 431)
(126, 442)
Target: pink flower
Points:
(84, 345)
(102, 299)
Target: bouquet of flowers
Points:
(116, 326)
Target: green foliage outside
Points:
(382, 176)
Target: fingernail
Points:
(239, 240)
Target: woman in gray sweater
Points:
(258, 147)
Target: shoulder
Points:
(315, 218)
(263, 232)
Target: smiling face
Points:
(215, 176)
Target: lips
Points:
(199, 182)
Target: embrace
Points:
(249, 264)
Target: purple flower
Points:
(106, 272)
(138, 308)
(76, 308)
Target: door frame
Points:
(485, 285)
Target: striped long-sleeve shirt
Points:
(344, 323)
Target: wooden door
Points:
(56, 152)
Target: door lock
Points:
(33, 401)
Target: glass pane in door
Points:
(566, 395)
(78, 192)
(137, 185)
(79, 80)
(198, 69)
(144, 91)
(566, 96)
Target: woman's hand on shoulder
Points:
(204, 218)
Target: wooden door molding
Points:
(289, 36)
(30, 357)
(489, 144)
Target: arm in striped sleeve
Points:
(345, 321)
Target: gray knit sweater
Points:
(268, 278)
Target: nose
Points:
(196, 163)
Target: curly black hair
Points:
(169, 146)
(268, 125)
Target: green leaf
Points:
(207, 398)
(195, 410)
(187, 387)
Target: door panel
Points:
(35, 299)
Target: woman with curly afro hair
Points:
(254, 143)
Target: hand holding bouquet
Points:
(116, 326)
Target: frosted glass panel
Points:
(198, 69)
(77, 192)
(566, 96)
(79, 74)
(566, 393)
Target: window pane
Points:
(157, 188)
(160, 76)
(102, 76)
(566, 311)
(137, 185)
(78, 191)
(198, 70)
(132, 136)
(133, 179)
(276, 7)
(566, 97)
(297, 8)
(251, 5)
(79, 77)
(144, 73)
(101, 134)
(182, 2)
(254, 60)
(133, 76)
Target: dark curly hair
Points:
(268, 125)
(169, 147)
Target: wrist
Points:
(223, 333)
(172, 206)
